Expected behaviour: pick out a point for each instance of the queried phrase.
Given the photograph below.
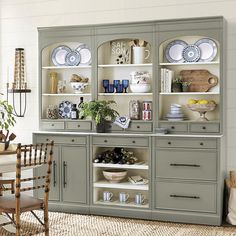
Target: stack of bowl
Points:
(176, 113)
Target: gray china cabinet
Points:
(179, 84)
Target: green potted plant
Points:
(177, 85)
(186, 85)
(6, 120)
(100, 112)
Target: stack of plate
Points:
(175, 113)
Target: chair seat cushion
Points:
(27, 203)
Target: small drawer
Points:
(186, 164)
(174, 127)
(52, 125)
(78, 125)
(140, 127)
(186, 143)
(204, 127)
(62, 139)
(186, 196)
(121, 141)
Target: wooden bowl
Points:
(115, 175)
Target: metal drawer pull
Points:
(201, 144)
(64, 173)
(182, 196)
(133, 141)
(105, 141)
(52, 124)
(172, 127)
(187, 165)
(78, 126)
(203, 127)
(47, 139)
(54, 173)
(72, 140)
(169, 143)
(138, 127)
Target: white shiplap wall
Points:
(19, 20)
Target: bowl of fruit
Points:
(201, 106)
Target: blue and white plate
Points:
(72, 58)
(208, 48)
(59, 55)
(173, 51)
(191, 53)
(85, 54)
(65, 109)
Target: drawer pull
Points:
(187, 165)
(201, 144)
(52, 124)
(169, 143)
(138, 127)
(133, 141)
(183, 196)
(105, 141)
(72, 140)
(172, 127)
(47, 139)
(203, 127)
(78, 126)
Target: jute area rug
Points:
(62, 224)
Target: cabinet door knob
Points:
(203, 127)
(201, 144)
(172, 127)
(72, 140)
(105, 141)
(133, 141)
(169, 143)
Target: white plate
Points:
(72, 58)
(173, 51)
(208, 49)
(59, 55)
(65, 109)
(191, 53)
(85, 54)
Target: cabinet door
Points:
(74, 174)
(54, 194)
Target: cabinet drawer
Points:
(52, 125)
(174, 127)
(205, 128)
(186, 164)
(61, 139)
(186, 142)
(121, 141)
(186, 196)
(78, 125)
(140, 127)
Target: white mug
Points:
(139, 199)
(140, 54)
(123, 197)
(107, 196)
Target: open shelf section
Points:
(130, 203)
(125, 65)
(192, 93)
(65, 67)
(139, 166)
(123, 185)
(189, 63)
(66, 94)
(125, 94)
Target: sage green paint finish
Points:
(204, 127)
(174, 127)
(78, 126)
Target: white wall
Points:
(19, 20)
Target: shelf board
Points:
(66, 94)
(190, 121)
(125, 65)
(189, 63)
(191, 93)
(130, 203)
(65, 67)
(122, 185)
(139, 166)
(125, 94)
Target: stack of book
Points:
(166, 80)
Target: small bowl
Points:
(115, 175)
(78, 87)
(140, 88)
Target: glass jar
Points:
(134, 110)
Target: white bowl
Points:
(115, 175)
(140, 88)
(78, 87)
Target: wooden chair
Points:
(28, 156)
